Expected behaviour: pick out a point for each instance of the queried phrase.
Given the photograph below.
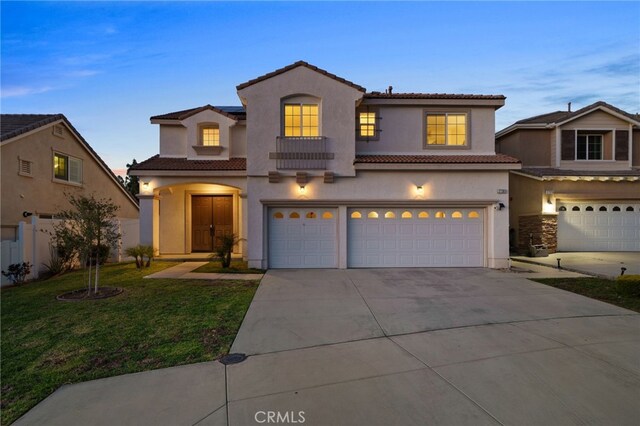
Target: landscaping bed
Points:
(236, 267)
(154, 323)
(596, 288)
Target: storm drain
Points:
(233, 359)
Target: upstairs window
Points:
(67, 168)
(446, 129)
(368, 125)
(589, 147)
(210, 135)
(301, 120)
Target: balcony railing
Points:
(301, 153)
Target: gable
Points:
(597, 119)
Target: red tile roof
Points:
(545, 171)
(235, 113)
(380, 95)
(165, 163)
(436, 159)
(295, 65)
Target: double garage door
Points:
(377, 237)
(598, 226)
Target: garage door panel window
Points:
(440, 215)
(310, 215)
(406, 215)
(423, 215)
(294, 215)
(356, 215)
(456, 215)
(278, 215)
(327, 215)
(629, 209)
(389, 215)
(473, 215)
(372, 215)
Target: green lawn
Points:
(595, 288)
(155, 323)
(236, 267)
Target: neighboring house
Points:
(43, 159)
(579, 187)
(314, 172)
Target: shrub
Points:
(225, 248)
(17, 272)
(629, 285)
(139, 253)
(57, 262)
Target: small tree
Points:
(139, 252)
(85, 231)
(226, 247)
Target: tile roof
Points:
(437, 159)
(12, 125)
(295, 65)
(380, 95)
(560, 116)
(545, 171)
(233, 112)
(166, 163)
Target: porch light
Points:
(302, 189)
(420, 190)
(145, 185)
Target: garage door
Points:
(597, 226)
(303, 238)
(392, 237)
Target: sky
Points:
(109, 66)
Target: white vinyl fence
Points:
(32, 244)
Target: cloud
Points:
(82, 73)
(15, 91)
(626, 66)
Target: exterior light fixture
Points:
(420, 190)
(145, 185)
(302, 189)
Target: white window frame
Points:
(69, 179)
(587, 135)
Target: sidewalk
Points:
(184, 271)
(600, 264)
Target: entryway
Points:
(211, 219)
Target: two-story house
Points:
(579, 186)
(312, 171)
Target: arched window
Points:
(329, 215)
(278, 215)
(589, 209)
(456, 215)
(473, 215)
(440, 215)
(602, 209)
(311, 215)
(294, 215)
(616, 209)
(423, 215)
(356, 215)
(575, 209)
(389, 215)
(629, 209)
(562, 209)
(407, 215)
(372, 215)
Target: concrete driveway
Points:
(391, 346)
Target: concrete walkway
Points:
(391, 346)
(603, 264)
(184, 271)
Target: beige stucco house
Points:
(579, 186)
(313, 171)
(43, 158)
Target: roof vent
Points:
(58, 130)
(569, 107)
(390, 90)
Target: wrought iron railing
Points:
(302, 152)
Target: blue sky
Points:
(110, 66)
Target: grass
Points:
(595, 288)
(236, 267)
(155, 323)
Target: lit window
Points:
(356, 215)
(294, 215)
(311, 215)
(329, 215)
(456, 215)
(473, 215)
(372, 215)
(423, 215)
(301, 120)
(589, 147)
(278, 215)
(211, 136)
(367, 126)
(67, 168)
(389, 215)
(446, 129)
(406, 215)
(440, 215)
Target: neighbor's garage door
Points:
(303, 238)
(597, 226)
(392, 237)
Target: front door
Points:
(211, 218)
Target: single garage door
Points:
(392, 237)
(597, 226)
(303, 238)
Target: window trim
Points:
(595, 132)
(300, 99)
(376, 124)
(426, 112)
(69, 158)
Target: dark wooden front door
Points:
(211, 218)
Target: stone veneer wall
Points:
(544, 229)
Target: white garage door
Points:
(392, 237)
(303, 238)
(597, 226)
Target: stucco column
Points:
(242, 226)
(149, 220)
(498, 237)
(342, 237)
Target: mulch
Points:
(84, 294)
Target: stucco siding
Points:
(173, 141)
(41, 193)
(532, 147)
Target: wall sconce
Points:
(549, 194)
(501, 206)
(145, 185)
(420, 190)
(301, 189)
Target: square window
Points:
(301, 120)
(446, 129)
(589, 147)
(210, 136)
